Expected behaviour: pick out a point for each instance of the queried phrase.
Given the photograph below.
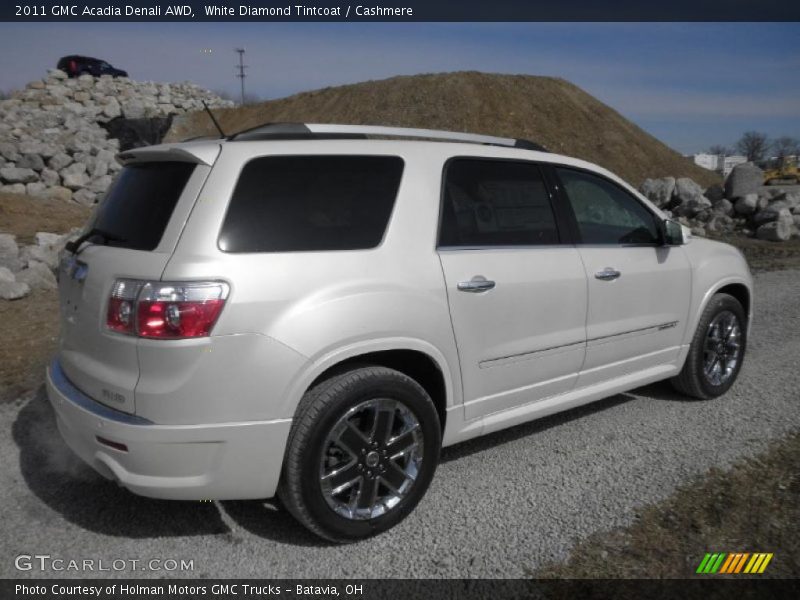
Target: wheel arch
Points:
(739, 288)
(415, 358)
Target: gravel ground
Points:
(499, 506)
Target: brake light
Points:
(166, 310)
(120, 316)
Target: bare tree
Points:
(754, 145)
(719, 150)
(786, 146)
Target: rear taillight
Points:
(165, 310)
(121, 315)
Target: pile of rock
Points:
(742, 204)
(29, 267)
(52, 139)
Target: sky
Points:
(691, 85)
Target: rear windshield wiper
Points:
(93, 232)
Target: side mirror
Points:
(673, 233)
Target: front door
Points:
(639, 289)
(517, 294)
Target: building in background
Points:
(718, 162)
(728, 162)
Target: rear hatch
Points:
(132, 235)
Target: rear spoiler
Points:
(204, 153)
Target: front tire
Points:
(717, 350)
(361, 453)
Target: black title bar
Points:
(401, 10)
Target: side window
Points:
(606, 213)
(302, 203)
(495, 203)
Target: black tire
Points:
(693, 379)
(320, 412)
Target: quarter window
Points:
(301, 203)
(606, 213)
(495, 203)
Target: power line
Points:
(240, 68)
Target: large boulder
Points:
(18, 175)
(9, 252)
(715, 192)
(744, 179)
(747, 204)
(659, 191)
(771, 213)
(775, 231)
(686, 190)
(13, 290)
(38, 276)
(693, 206)
(723, 206)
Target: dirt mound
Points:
(550, 111)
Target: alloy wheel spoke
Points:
(352, 440)
(367, 493)
(343, 477)
(382, 428)
(394, 476)
(402, 444)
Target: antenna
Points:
(241, 67)
(214, 120)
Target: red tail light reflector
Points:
(166, 310)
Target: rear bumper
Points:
(186, 462)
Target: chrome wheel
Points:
(371, 459)
(722, 348)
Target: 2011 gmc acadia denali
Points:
(308, 312)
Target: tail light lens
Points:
(121, 314)
(166, 310)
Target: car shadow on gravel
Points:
(268, 519)
(65, 484)
(83, 497)
(505, 436)
(661, 390)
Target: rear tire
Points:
(717, 350)
(361, 453)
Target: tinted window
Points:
(495, 203)
(138, 207)
(606, 213)
(297, 203)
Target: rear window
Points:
(303, 203)
(138, 207)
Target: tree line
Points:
(757, 146)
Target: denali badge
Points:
(113, 396)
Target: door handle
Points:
(476, 285)
(607, 274)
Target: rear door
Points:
(139, 222)
(516, 289)
(639, 289)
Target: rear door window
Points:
(305, 203)
(495, 203)
(138, 207)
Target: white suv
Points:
(307, 311)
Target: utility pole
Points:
(241, 67)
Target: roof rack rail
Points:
(282, 131)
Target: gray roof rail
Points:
(272, 131)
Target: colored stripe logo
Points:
(732, 563)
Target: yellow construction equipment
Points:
(783, 171)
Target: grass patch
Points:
(753, 507)
(766, 256)
(25, 215)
